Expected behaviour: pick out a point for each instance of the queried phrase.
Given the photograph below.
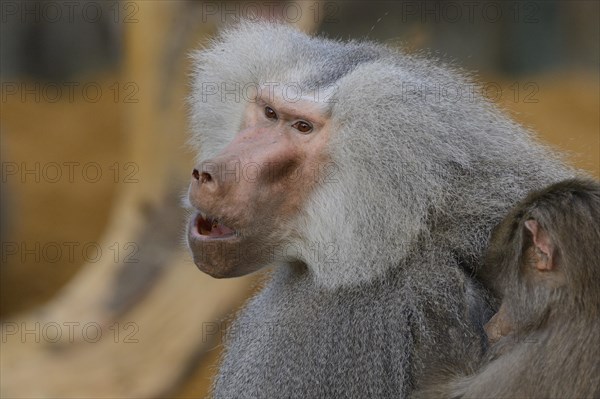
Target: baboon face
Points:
(248, 196)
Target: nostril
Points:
(196, 174)
(205, 177)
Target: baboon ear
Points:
(543, 243)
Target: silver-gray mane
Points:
(421, 161)
(380, 287)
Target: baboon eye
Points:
(302, 127)
(270, 113)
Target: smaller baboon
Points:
(544, 261)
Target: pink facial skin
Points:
(247, 196)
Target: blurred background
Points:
(99, 297)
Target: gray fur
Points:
(557, 351)
(419, 183)
(554, 351)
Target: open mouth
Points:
(207, 226)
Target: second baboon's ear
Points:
(543, 244)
